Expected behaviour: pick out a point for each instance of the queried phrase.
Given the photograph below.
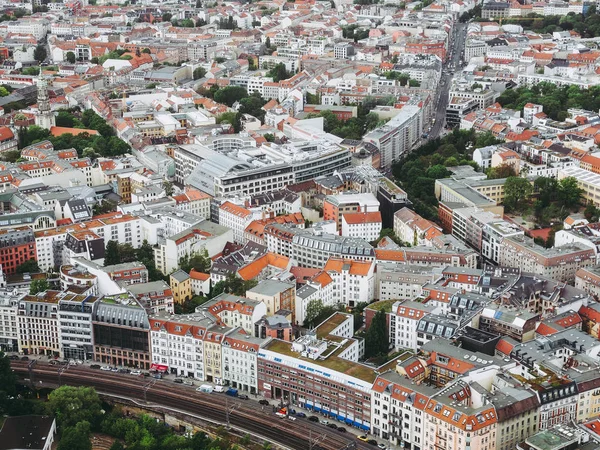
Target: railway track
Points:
(243, 415)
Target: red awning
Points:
(159, 368)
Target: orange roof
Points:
(360, 268)
(6, 134)
(235, 209)
(252, 270)
(322, 278)
(590, 313)
(504, 347)
(362, 217)
(389, 255)
(569, 320)
(197, 275)
(58, 131)
(545, 330)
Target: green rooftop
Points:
(383, 305)
(333, 362)
(331, 324)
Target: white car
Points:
(105, 368)
(136, 372)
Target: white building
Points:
(366, 225)
(75, 322)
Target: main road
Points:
(455, 53)
(245, 415)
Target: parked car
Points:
(79, 362)
(137, 373)
(124, 370)
(243, 397)
(114, 369)
(332, 425)
(313, 418)
(72, 362)
(105, 368)
(54, 362)
(188, 382)
(324, 422)
(14, 357)
(206, 388)
(341, 429)
(178, 381)
(382, 446)
(372, 442)
(363, 438)
(263, 402)
(280, 414)
(157, 375)
(24, 358)
(93, 366)
(301, 415)
(292, 418)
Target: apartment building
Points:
(240, 361)
(398, 136)
(235, 217)
(332, 383)
(588, 279)
(402, 281)
(558, 263)
(234, 311)
(16, 247)
(508, 321)
(121, 332)
(75, 322)
(404, 319)
(276, 295)
(38, 324)
(335, 206)
(154, 296)
(178, 343)
(366, 225)
(9, 331)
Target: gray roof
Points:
(180, 276)
(270, 287)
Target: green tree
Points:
(232, 285)
(198, 261)
(547, 187)
(146, 51)
(40, 54)
(166, 17)
(516, 192)
(279, 73)
(38, 285)
(30, 266)
(168, 187)
(72, 405)
(230, 94)
(501, 171)
(111, 254)
(376, 339)
(199, 72)
(3, 91)
(76, 437)
(71, 57)
(569, 192)
(314, 309)
(117, 446)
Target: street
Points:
(456, 49)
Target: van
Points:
(219, 389)
(207, 388)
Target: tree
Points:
(38, 285)
(30, 266)
(516, 191)
(376, 339)
(72, 405)
(279, 73)
(111, 254)
(168, 187)
(501, 171)
(166, 17)
(313, 310)
(198, 261)
(569, 192)
(232, 285)
(71, 57)
(199, 72)
(146, 51)
(76, 438)
(230, 94)
(40, 54)
(117, 446)
(547, 187)
(592, 213)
